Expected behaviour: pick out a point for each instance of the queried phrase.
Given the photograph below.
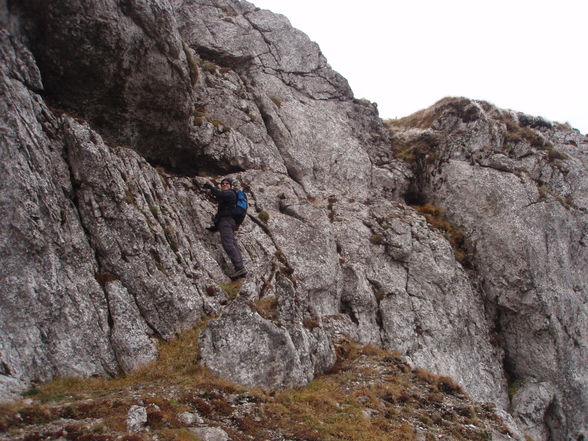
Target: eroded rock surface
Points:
(114, 115)
(516, 186)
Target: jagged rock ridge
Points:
(113, 113)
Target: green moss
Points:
(232, 289)
(263, 216)
(513, 387)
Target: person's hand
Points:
(208, 186)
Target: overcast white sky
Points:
(526, 55)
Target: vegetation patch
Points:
(435, 216)
(277, 101)
(377, 239)
(233, 288)
(267, 308)
(372, 394)
(192, 63)
(462, 108)
(130, 197)
(544, 194)
(103, 279)
(420, 148)
(516, 133)
(209, 66)
(263, 216)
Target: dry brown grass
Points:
(419, 148)
(463, 108)
(232, 289)
(176, 364)
(267, 308)
(435, 216)
(374, 395)
(377, 239)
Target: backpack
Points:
(240, 209)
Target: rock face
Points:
(115, 114)
(516, 186)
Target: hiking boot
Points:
(239, 274)
(213, 228)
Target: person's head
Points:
(226, 183)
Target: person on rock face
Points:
(225, 223)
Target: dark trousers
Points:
(227, 227)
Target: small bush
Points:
(277, 101)
(310, 323)
(263, 216)
(377, 239)
(448, 385)
(267, 308)
(105, 278)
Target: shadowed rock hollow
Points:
(115, 114)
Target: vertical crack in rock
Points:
(275, 131)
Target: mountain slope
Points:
(455, 236)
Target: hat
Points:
(229, 180)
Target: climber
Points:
(225, 223)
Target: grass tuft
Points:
(435, 217)
(373, 395)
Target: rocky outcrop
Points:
(115, 114)
(516, 187)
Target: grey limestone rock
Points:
(118, 64)
(136, 419)
(210, 433)
(115, 113)
(48, 266)
(517, 188)
(266, 345)
(190, 418)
